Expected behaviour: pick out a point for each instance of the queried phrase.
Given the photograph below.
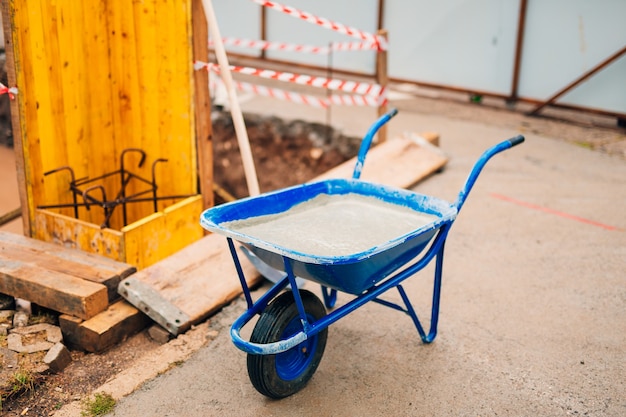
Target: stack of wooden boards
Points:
(179, 291)
(79, 285)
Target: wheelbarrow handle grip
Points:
(367, 141)
(516, 140)
(478, 166)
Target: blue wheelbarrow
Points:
(347, 235)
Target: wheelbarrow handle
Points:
(478, 166)
(367, 141)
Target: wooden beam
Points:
(400, 162)
(52, 257)
(382, 78)
(12, 62)
(521, 26)
(51, 289)
(119, 321)
(579, 80)
(202, 100)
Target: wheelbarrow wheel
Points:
(284, 374)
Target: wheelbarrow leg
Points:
(330, 296)
(434, 317)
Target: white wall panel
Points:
(239, 19)
(566, 38)
(462, 43)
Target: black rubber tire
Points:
(301, 361)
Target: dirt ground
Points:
(286, 152)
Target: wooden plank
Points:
(14, 77)
(54, 290)
(126, 89)
(78, 234)
(94, 268)
(382, 79)
(400, 162)
(140, 244)
(162, 234)
(177, 102)
(204, 129)
(119, 321)
(69, 328)
(189, 286)
(97, 128)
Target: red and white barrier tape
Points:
(373, 90)
(11, 91)
(290, 47)
(320, 21)
(277, 93)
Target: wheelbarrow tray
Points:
(353, 273)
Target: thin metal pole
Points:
(382, 79)
(381, 14)
(521, 26)
(263, 28)
(329, 75)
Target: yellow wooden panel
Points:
(153, 110)
(175, 91)
(77, 234)
(52, 67)
(124, 84)
(161, 234)
(101, 156)
(25, 43)
(49, 84)
(142, 240)
(96, 78)
(183, 221)
(149, 69)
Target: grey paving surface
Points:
(533, 309)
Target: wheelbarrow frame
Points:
(431, 248)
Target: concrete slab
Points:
(532, 313)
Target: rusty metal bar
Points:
(579, 80)
(154, 184)
(202, 105)
(10, 216)
(124, 180)
(113, 203)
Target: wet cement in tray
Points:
(334, 225)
